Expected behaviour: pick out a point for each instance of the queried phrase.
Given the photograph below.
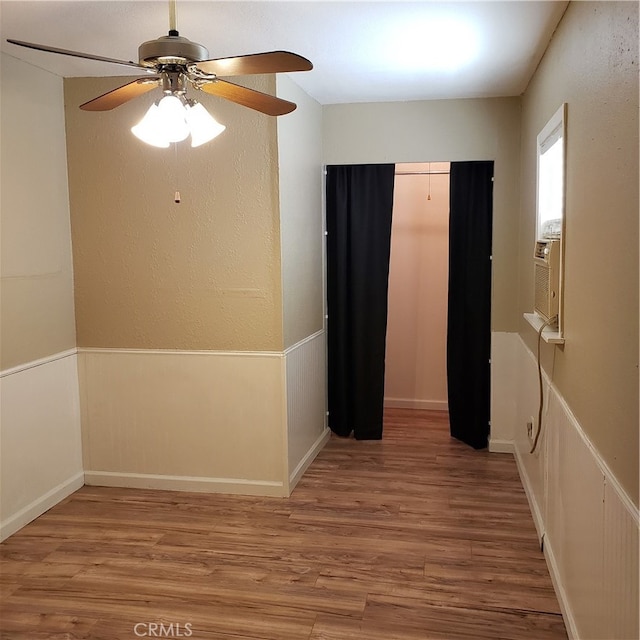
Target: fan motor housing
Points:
(171, 49)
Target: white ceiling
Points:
(361, 51)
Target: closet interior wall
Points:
(415, 374)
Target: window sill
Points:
(549, 334)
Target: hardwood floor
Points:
(413, 537)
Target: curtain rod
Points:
(420, 173)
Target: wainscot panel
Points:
(587, 523)
(209, 421)
(306, 387)
(41, 455)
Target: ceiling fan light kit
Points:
(177, 63)
(174, 119)
(202, 125)
(163, 123)
(149, 129)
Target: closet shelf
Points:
(549, 334)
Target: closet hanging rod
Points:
(420, 173)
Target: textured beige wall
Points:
(37, 316)
(592, 64)
(301, 213)
(416, 355)
(203, 274)
(444, 130)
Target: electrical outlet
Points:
(530, 423)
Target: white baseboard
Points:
(39, 506)
(303, 465)
(538, 520)
(554, 572)
(406, 403)
(501, 446)
(552, 564)
(236, 486)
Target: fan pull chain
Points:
(429, 195)
(176, 197)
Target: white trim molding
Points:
(309, 457)
(180, 352)
(237, 486)
(36, 508)
(38, 363)
(501, 446)
(298, 345)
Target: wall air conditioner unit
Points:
(546, 259)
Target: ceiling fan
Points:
(177, 62)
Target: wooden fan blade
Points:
(76, 54)
(271, 62)
(115, 98)
(251, 98)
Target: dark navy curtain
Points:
(469, 307)
(359, 205)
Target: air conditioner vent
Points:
(547, 278)
(542, 250)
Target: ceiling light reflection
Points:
(443, 44)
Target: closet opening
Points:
(408, 251)
(416, 338)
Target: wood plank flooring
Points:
(414, 537)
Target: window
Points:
(551, 178)
(551, 188)
(550, 205)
